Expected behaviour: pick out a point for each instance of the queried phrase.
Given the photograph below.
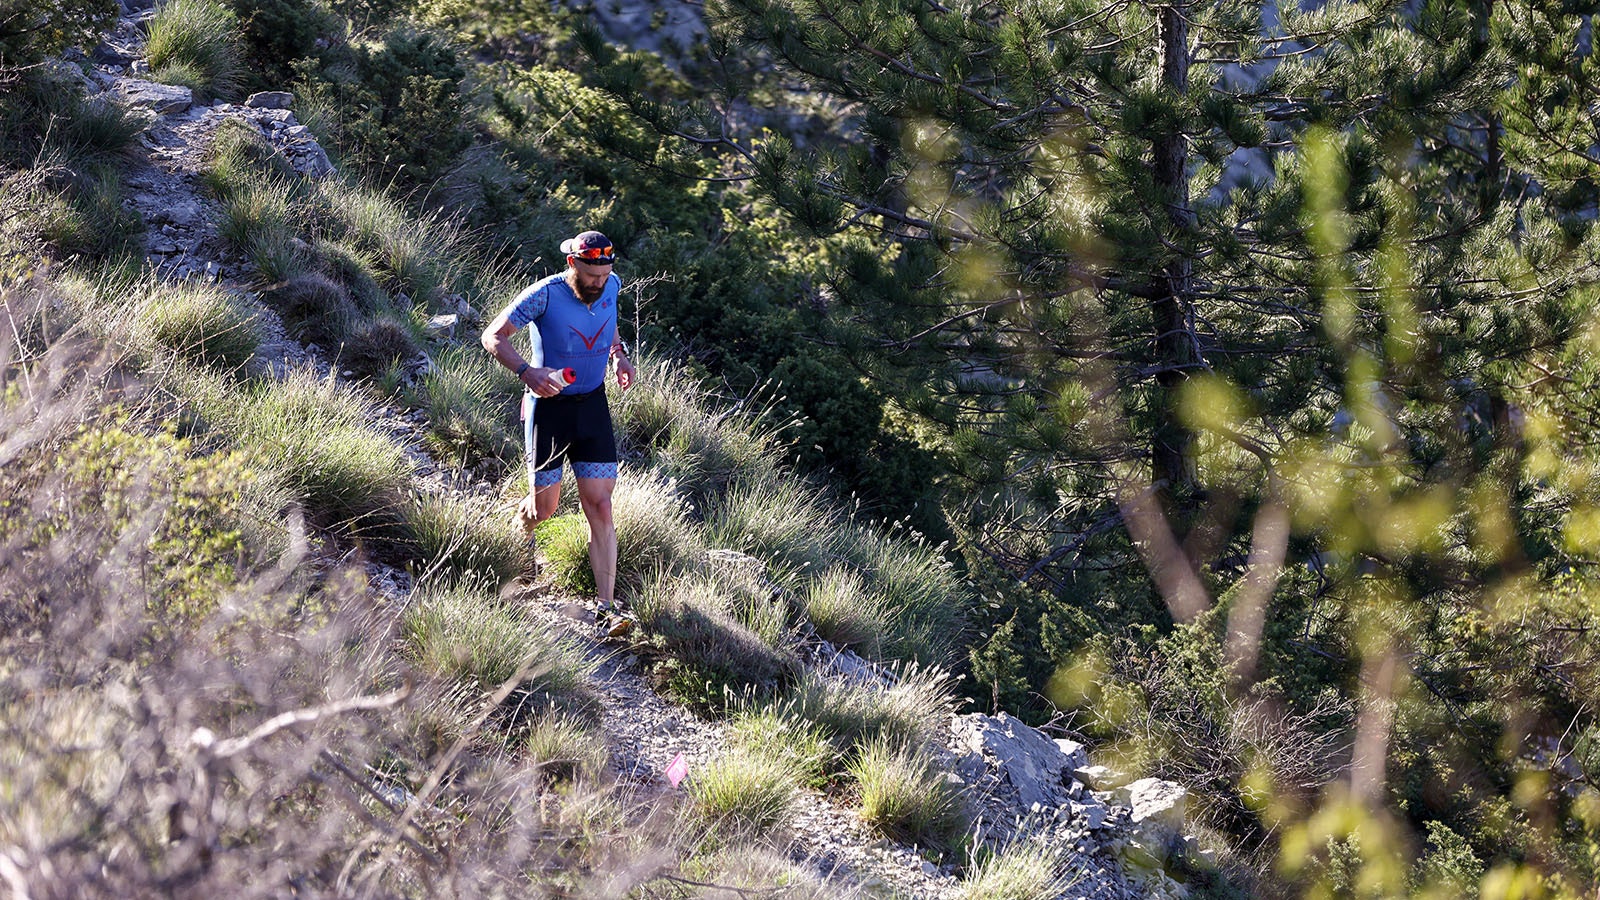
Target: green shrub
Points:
(195, 43)
(744, 794)
(402, 114)
(273, 34)
(842, 610)
(35, 29)
(714, 657)
(904, 797)
(202, 323)
(464, 633)
(1021, 871)
(456, 536)
(564, 750)
(563, 540)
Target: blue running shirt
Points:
(572, 333)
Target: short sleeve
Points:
(529, 306)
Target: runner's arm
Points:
(496, 339)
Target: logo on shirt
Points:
(588, 341)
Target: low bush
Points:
(461, 632)
(904, 797)
(195, 43)
(743, 794)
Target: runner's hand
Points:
(542, 381)
(625, 373)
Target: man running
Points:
(574, 314)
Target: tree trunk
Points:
(1177, 352)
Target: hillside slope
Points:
(243, 210)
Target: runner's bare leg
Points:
(594, 494)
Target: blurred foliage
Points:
(31, 30)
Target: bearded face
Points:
(588, 281)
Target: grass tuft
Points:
(314, 308)
(259, 218)
(464, 633)
(920, 592)
(851, 713)
(744, 795)
(715, 657)
(455, 537)
(654, 537)
(781, 521)
(845, 613)
(904, 797)
(765, 727)
(665, 417)
(565, 750)
(1021, 871)
(202, 324)
(470, 400)
(314, 436)
(374, 346)
(195, 43)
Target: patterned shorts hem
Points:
(595, 470)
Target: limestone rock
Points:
(1154, 800)
(1031, 762)
(442, 327)
(1100, 778)
(270, 100)
(163, 99)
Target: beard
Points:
(586, 293)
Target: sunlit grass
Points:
(904, 797)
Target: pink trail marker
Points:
(678, 769)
